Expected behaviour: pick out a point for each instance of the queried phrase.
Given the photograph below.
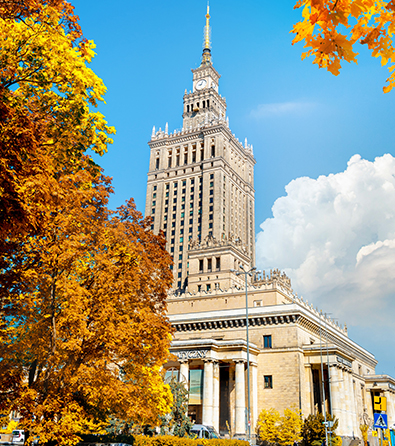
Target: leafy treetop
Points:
(331, 29)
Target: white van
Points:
(18, 436)
(202, 431)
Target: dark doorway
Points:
(224, 412)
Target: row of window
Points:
(177, 160)
(210, 265)
(204, 104)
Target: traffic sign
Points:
(380, 403)
(380, 421)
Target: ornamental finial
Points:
(206, 60)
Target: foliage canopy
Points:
(83, 329)
(331, 29)
(281, 430)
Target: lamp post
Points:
(247, 273)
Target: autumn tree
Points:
(313, 430)
(177, 421)
(364, 428)
(83, 329)
(46, 95)
(331, 29)
(281, 430)
(83, 326)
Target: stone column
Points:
(254, 395)
(184, 372)
(390, 408)
(240, 399)
(309, 379)
(348, 397)
(216, 387)
(335, 396)
(208, 393)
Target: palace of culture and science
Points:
(200, 193)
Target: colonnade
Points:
(211, 393)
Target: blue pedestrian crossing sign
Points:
(380, 421)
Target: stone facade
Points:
(200, 193)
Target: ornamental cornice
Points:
(235, 323)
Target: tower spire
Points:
(206, 59)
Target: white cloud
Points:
(280, 109)
(335, 237)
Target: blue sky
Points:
(305, 124)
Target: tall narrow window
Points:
(157, 163)
(267, 341)
(201, 266)
(212, 150)
(218, 263)
(268, 381)
(209, 265)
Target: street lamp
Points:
(247, 273)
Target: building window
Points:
(218, 263)
(208, 287)
(199, 288)
(175, 184)
(190, 229)
(211, 193)
(211, 217)
(209, 265)
(154, 195)
(267, 341)
(181, 239)
(200, 266)
(210, 225)
(211, 176)
(157, 164)
(268, 381)
(179, 275)
(211, 183)
(211, 200)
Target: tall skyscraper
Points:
(200, 188)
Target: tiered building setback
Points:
(200, 193)
(200, 189)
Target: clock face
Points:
(201, 84)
